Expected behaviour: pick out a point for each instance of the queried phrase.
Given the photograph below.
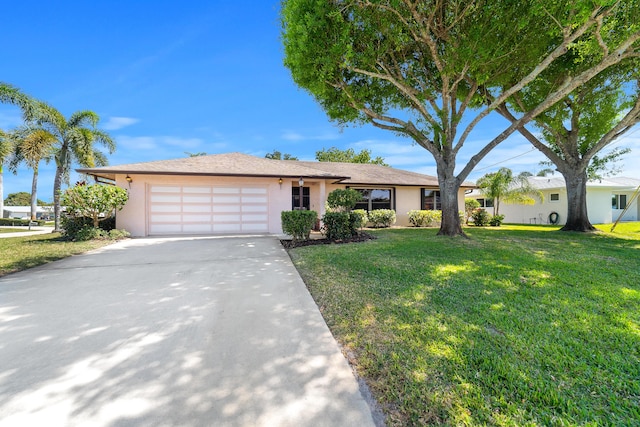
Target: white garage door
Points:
(207, 209)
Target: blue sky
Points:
(203, 76)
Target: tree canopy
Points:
(21, 198)
(277, 155)
(349, 155)
(419, 68)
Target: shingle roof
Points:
(239, 164)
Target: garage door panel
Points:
(207, 209)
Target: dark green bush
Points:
(496, 220)
(337, 225)
(298, 224)
(73, 225)
(359, 219)
(11, 222)
(343, 199)
(480, 217)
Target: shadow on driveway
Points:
(166, 332)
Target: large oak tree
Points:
(575, 130)
(416, 67)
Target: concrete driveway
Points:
(171, 332)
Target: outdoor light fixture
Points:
(280, 182)
(129, 180)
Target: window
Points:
(485, 203)
(619, 201)
(431, 200)
(295, 198)
(554, 197)
(375, 198)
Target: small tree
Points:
(470, 205)
(334, 154)
(344, 200)
(98, 202)
(502, 185)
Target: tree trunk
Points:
(577, 217)
(450, 225)
(1, 194)
(34, 195)
(57, 184)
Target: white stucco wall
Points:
(633, 211)
(598, 208)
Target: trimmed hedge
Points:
(72, 226)
(298, 224)
(344, 199)
(382, 218)
(424, 218)
(359, 218)
(19, 222)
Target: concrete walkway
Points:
(26, 232)
(171, 332)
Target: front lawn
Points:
(518, 325)
(20, 253)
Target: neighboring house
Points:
(606, 199)
(239, 193)
(24, 212)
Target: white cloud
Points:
(115, 123)
(290, 135)
(126, 143)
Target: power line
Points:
(506, 160)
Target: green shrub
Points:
(71, 226)
(343, 199)
(89, 232)
(116, 234)
(359, 218)
(19, 222)
(337, 225)
(424, 218)
(496, 220)
(480, 217)
(298, 224)
(382, 218)
(470, 205)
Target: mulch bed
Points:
(361, 237)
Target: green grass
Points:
(20, 253)
(516, 326)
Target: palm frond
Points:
(83, 118)
(10, 94)
(105, 139)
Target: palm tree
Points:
(32, 145)
(75, 143)
(502, 185)
(6, 148)
(10, 94)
